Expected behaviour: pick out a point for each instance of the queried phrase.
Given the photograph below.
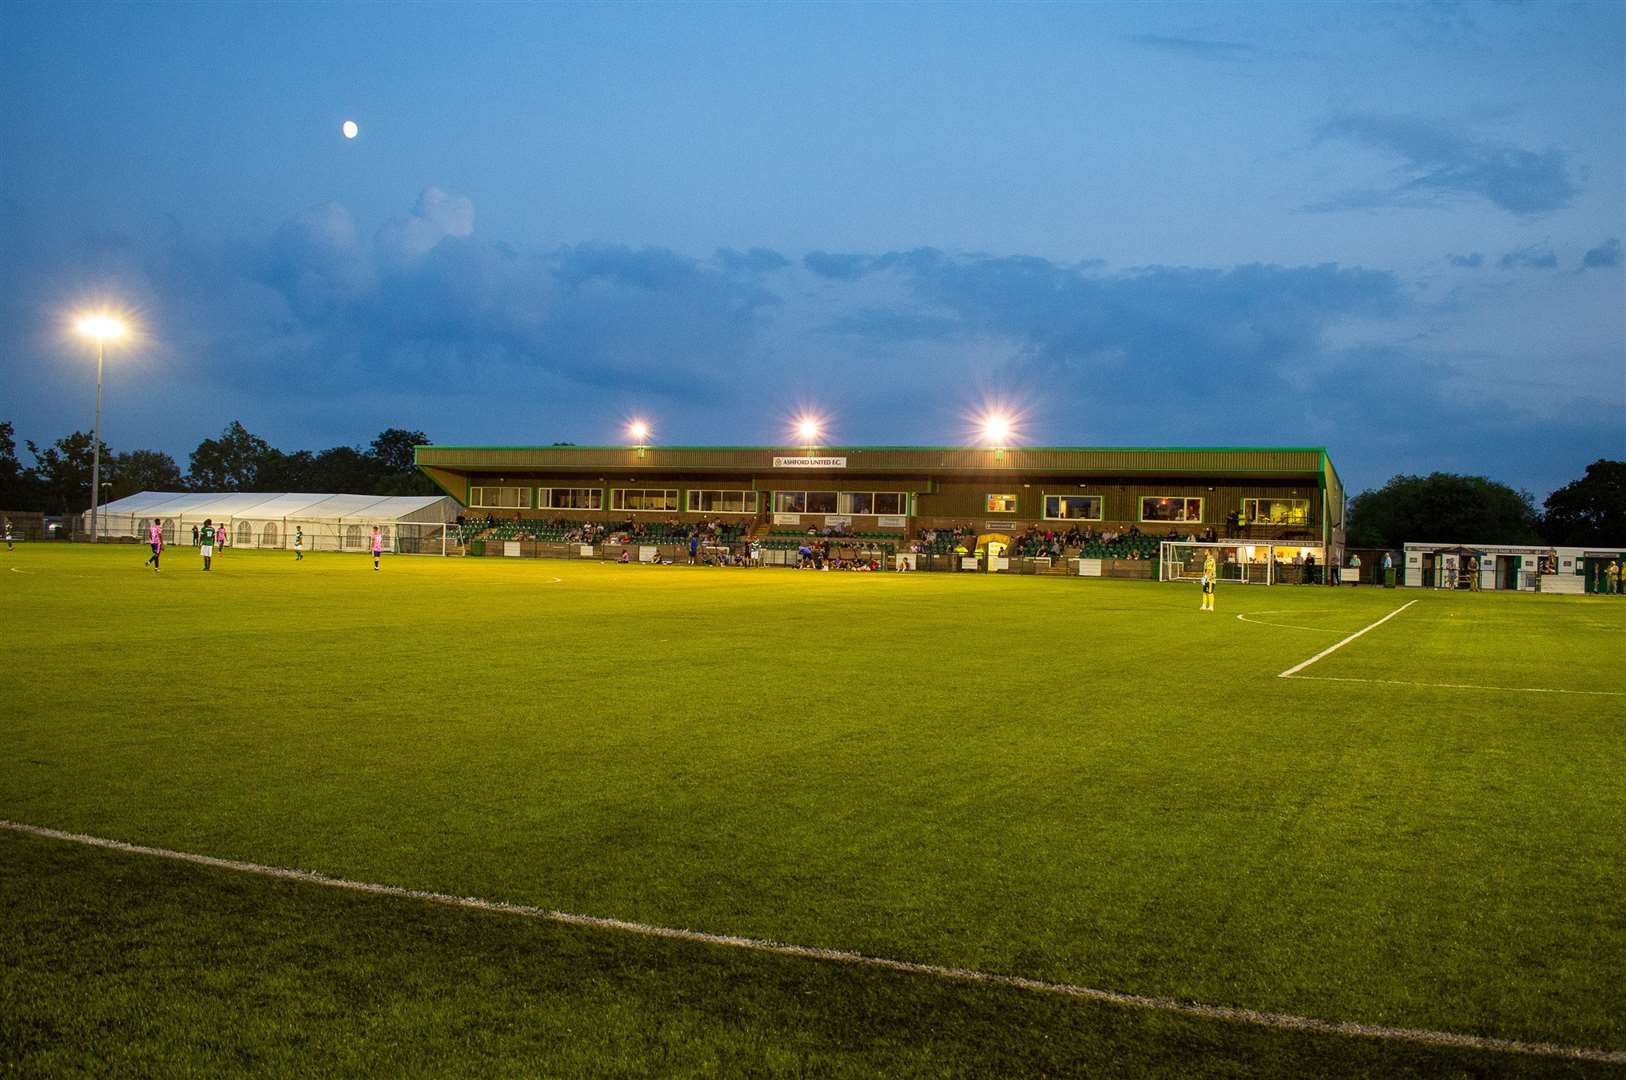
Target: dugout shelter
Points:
(1282, 500)
(330, 522)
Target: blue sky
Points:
(1393, 230)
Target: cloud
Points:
(1439, 164)
(317, 332)
(837, 267)
(1201, 48)
(436, 216)
(1533, 257)
(756, 261)
(1604, 255)
(1470, 262)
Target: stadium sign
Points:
(810, 463)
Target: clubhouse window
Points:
(1000, 504)
(500, 498)
(1276, 511)
(805, 502)
(1072, 507)
(644, 500)
(722, 502)
(1170, 508)
(873, 502)
(572, 498)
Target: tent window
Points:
(245, 534)
(355, 537)
(268, 535)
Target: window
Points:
(789, 502)
(821, 502)
(500, 498)
(1276, 511)
(268, 534)
(722, 502)
(1170, 508)
(644, 500)
(891, 502)
(1001, 504)
(570, 498)
(1072, 507)
(871, 502)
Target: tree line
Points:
(58, 482)
(1475, 510)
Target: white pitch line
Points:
(1280, 625)
(1255, 1017)
(1329, 650)
(1465, 686)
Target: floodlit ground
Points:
(1082, 782)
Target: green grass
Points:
(1086, 782)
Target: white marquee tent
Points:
(410, 523)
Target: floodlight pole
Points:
(96, 446)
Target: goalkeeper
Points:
(1208, 583)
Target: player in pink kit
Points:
(155, 540)
(378, 546)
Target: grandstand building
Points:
(1281, 499)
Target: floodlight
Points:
(101, 327)
(808, 428)
(639, 431)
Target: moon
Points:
(350, 129)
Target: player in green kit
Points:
(206, 540)
(299, 543)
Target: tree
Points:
(16, 483)
(1444, 507)
(394, 450)
(345, 470)
(1591, 510)
(144, 470)
(232, 462)
(63, 471)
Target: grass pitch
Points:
(1083, 782)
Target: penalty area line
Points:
(1257, 1018)
(1329, 650)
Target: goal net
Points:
(1242, 564)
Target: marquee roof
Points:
(291, 506)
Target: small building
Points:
(330, 522)
(1522, 567)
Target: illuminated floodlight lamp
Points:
(638, 431)
(996, 429)
(808, 428)
(101, 327)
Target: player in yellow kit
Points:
(1208, 582)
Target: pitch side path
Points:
(1082, 784)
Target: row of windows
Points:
(841, 502)
(635, 500)
(1169, 508)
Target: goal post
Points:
(1240, 564)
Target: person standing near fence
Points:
(299, 543)
(155, 540)
(378, 546)
(206, 542)
(8, 534)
